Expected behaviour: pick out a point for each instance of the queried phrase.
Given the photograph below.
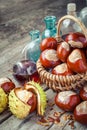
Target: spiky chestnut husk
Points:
(17, 107)
(41, 96)
(3, 100)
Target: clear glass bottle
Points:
(50, 30)
(32, 49)
(69, 25)
(83, 15)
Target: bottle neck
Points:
(34, 34)
(50, 25)
(50, 22)
(73, 13)
(34, 37)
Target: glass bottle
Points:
(50, 30)
(69, 25)
(83, 15)
(32, 49)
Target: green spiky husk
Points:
(3, 100)
(43, 98)
(17, 107)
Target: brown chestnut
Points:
(49, 59)
(62, 69)
(80, 112)
(27, 97)
(67, 100)
(76, 40)
(48, 43)
(6, 84)
(63, 50)
(77, 61)
(83, 93)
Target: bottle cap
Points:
(71, 7)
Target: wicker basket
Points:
(61, 83)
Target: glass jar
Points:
(50, 30)
(32, 49)
(83, 15)
(68, 25)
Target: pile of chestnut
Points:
(68, 58)
(72, 102)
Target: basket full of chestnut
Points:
(63, 62)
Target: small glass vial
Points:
(69, 25)
(32, 49)
(50, 30)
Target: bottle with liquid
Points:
(32, 49)
(50, 30)
(69, 25)
(83, 15)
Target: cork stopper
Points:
(71, 7)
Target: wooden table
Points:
(16, 21)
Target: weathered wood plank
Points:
(76, 126)
(5, 115)
(10, 56)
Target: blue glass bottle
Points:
(32, 49)
(50, 30)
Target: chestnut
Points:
(25, 70)
(49, 59)
(63, 50)
(80, 113)
(62, 69)
(76, 40)
(67, 100)
(77, 61)
(27, 97)
(24, 100)
(48, 43)
(6, 84)
(83, 93)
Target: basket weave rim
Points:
(41, 69)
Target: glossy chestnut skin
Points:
(83, 93)
(77, 37)
(86, 52)
(63, 50)
(62, 69)
(80, 113)
(67, 100)
(49, 59)
(6, 84)
(48, 43)
(77, 61)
